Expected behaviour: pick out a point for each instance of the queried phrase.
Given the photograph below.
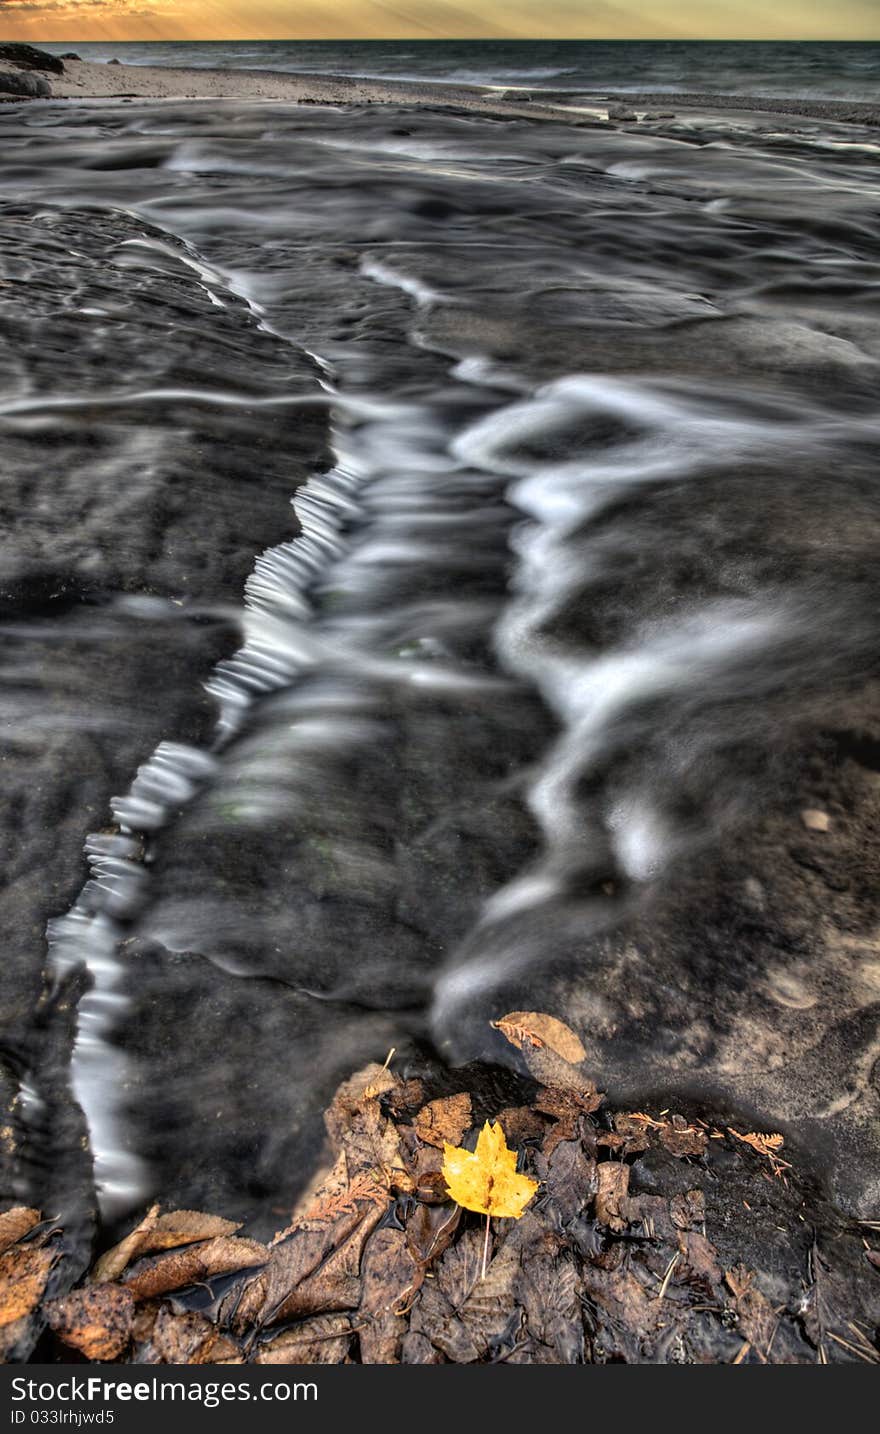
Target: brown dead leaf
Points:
(187, 1337)
(547, 1288)
(444, 1120)
(521, 1123)
(550, 1069)
(566, 1107)
(358, 1127)
(430, 1230)
(700, 1258)
(688, 1210)
(631, 1134)
(462, 1314)
(611, 1194)
(389, 1279)
(111, 1265)
(407, 1095)
(418, 1349)
(314, 1269)
(323, 1340)
(653, 1213)
(755, 1315)
(681, 1139)
(96, 1320)
(568, 1175)
(23, 1274)
(145, 1316)
(535, 1029)
(185, 1227)
(194, 1263)
(16, 1223)
(360, 1090)
(430, 1186)
(628, 1316)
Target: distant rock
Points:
(21, 83)
(114, 62)
(28, 57)
(621, 112)
(658, 115)
(71, 55)
(815, 820)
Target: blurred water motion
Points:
(575, 604)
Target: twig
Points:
(485, 1248)
(668, 1276)
(871, 1357)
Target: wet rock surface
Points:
(28, 57)
(130, 523)
(21, 83)
(585, 621)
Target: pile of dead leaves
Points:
(377, 1265)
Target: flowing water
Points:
(843, 69)
(574, 610)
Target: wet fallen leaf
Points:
(111, 1265)
(566, 1107)
(188, 1338)
(461, 1313)
(688, 1210)
(755, 1315)
(185, 1227)
(16, 1223)
(323, 1340)
(699, 1257)
(631, 1134)
(681, 1139)
(407, 1095)
(358, 1127)
(430, 1230)
(155, 1276)
(629, 1316)
(568, 1175)
(547, 1288)
(444, 1121)
(486, 1179)
(96, 1320)
(611, 1194)
(534, 1028)
(23, 1274)
(314, 1269)
(389, 1278)
(521, 1123)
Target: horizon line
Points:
(471, 39)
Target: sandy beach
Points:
(85, 80)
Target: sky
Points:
(83, 20)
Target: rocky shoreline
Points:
(681, 281)
(25, 72)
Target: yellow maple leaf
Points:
(485, 1179)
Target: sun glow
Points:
(119, 20)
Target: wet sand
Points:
(84, 80)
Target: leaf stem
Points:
(485, 1248)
